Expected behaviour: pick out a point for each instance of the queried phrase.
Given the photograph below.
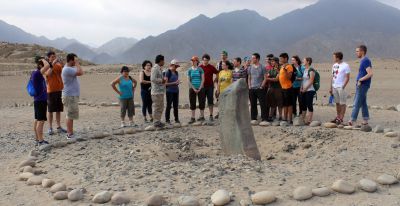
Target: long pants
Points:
(260, 96)
(296, 98)
(158, 107)
(360, 102)
(172, 100)
(146, 102)
(307, 99)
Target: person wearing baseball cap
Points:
(196, 89)
(172, 95)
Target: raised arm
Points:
(79, 70)
(45, 68)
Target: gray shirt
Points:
(257, 75)
(71, 82)
(157, 87)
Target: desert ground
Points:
(189, 160)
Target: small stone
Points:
(315, 124)
(75, 195)
(119, 132)
(348, 127)
(155, 200)
(120, 198)
(330, 125)
(263, 198)
(45, 148)
(366, 128)
(254, 122)
(46, 183)
(298, 121)
(220, 198)
(302, 193)
(28, 162)
(276, 123)
(245, 202)
(150, 128)
(100, 135)
(391, 134)
(386, 179)
(102, 197)
(284, 124)
(25, 176)
(35, 180)
(61, 195)
(322, 192)
(28, 169)
(344, 187)
(368, 185)
(188, 201)
(386, 130)
(58, 187)
(265, 124)
(378, 129)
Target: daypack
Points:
(317, 79)
(294, 74)
(30, 88)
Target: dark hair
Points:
(39, 64)
(338, 55)
(297, 58)
(284, 55)
(159, 58)
(71, 57)
(270, 56)
(238, 59)
(206, 56)
(309, 60)
(124, 69)
(363, 48)
(50, 53)
(257, 55)
(145, 63)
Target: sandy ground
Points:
(158, 162)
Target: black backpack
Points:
(294, 74)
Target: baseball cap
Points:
(195, 58)
(175, 62)
(224, 52)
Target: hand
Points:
(330, 91)
(359, 83)
(77, 62)
(177, 82)
(217, 93)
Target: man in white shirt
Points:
(340, 79)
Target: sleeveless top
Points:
(126, 88)
(145, 86)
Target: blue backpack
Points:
(30, 88)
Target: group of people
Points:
(283, 88)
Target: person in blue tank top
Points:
(126, 88)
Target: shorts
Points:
(193, 97)
(274, 97)
(209, 95)
(54, 102)
(40, 108)
(127, 105)
(71, 105)
(287, 97)
(340, 95)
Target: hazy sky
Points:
(97, 21)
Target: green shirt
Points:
(273, 73)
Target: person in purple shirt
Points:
(364, 78)
(40, 99)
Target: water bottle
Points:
(331, 100)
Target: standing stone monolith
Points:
(236, 133)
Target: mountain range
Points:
(316, 30)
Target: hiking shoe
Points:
(159, 125)
(211, 118)
(50, 131)
(201, 119)
(43, 142)
(132, 124)
(192, 120)
(123, 124)
(61, 130)
(70, 136)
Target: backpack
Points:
(294, 74)
(317, 79)
(30, 88)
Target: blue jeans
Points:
(360, 102)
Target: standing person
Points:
(40, 99)
(298, 71)
(274, 93)
(196, 89)
(307, 91)
(268, 62)
(364, 78)
(257, 80)
(172, 81)
(71, 91)
(145, 90)
(158, 90)
(285, 79)
(224, 58)
(209, 72)
(340, 79)
(127, 86)
(225, 77)
(54, 92)
(239, 72)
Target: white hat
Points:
(175, 62)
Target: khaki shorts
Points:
(340, 96)
(71, 105)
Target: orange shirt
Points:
(54, 80)
(286, 83)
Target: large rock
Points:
(61, 195)
(391, 134)
(35, 180)
(102, 197)
(378, 129)
(302, 193)
(315, 124)
(344, 187)
(398, 108)
(368, 185)
(330, 125)
(120, 198)
(28, 162)
(188, 201)
(28, 169)
(46, 183)
(386, 179)
(75, 195)
(25, 176)
(263, 198)
(155, 200)
(386, 130)
(220, 198)
(366, 128)
(321, 192)
(236, 133)
(58, 187)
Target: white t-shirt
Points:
(339, 72)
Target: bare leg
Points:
(280, 112)
(193, 113)
(50, 117)
(290, 113)
(338, 110)
(211, 109)
(39, 130)
(35, 129)
(70, 126)
(342, 111)
(58, 119)
(201, 113)
(310, 116)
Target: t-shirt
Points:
(272, 74)
(157, 86)
(54, 80)
(40, 86)
(239, 73)
(195, 75)
(126, 88)
(306, 80)
(339, 72)
(172, 77)
(224, 79)
(286, 82)
(257, 75)
(209, 72)
(299, 74)
(71, 82)
(364, 64)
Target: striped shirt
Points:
(239, 73)
(195, 75)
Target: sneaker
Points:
(61, 130)
(177, 121)
(70, 136)
(168, 122)
(192, 120)
(132, 124)
(211, 118)
(43, 142)
(36, 142)
(201, 119)
(335, 120)
(159, 124)
(122, 124)
(50, 131)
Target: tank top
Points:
(306, 80)
(145, 86)
(126, 88)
